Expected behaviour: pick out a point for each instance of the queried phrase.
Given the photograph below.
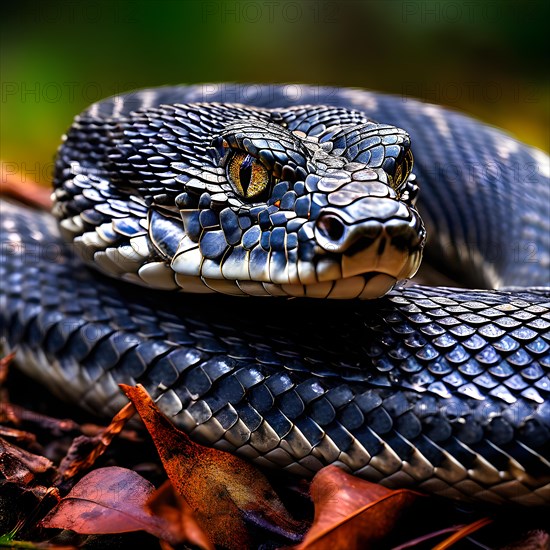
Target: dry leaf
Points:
(221, 488)
(4, 367)
(85, 450)
(19, 465)
(166, 503)
(109, 500)
(351, 512)
(462, 533)
(30, 193)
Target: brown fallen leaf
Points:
(462, 533)
(222, 489)
(85, 450)
(15, 414)
(4, 367)
(19, 465)
(168, 504)
(28, 192)
(17, 435)
(351, 512)
(109, 500)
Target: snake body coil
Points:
(199, 191)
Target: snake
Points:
(245, 252)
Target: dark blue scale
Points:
(427, 353)
(399, 353)
(250, 375)
(251, 237)
(107, 353)
(519, 358)
(339, 396)
(429, 451)
(437, 428)
(408, 425)
(411, 365)
(200, 411)
(279, 191)
(129, 227)
(211, 345)
(288, 200)
(183, 358)
(213, 245)
(249, 415)
(322, 412)
(217, 367)
(399, 445)
(379, 421)
(231, 389)
(150, 351)
(277, 239)
(230, 226)
(264, 220)
(291, 405)
(457, 355)
(502, 370)
(61, 332)
(268, 357)
(291, 241)
(487, 356)
(209, 219)
(538, 346)
(192, 225)
(279, 383)
(535, 434)
(474, 342)
(352, 417)
(310, 430)
(516, 383)
(462, 330)
(471, 368)
(444, 341)
(532, 372)
(499, 431)
(261, 398)
(227, 417)
(83, 342)
(245, 222)
(506, 344)
(279, 422)
(340, 435)
(310, 390)
(197, 382)
(432, 329)
(278, 219)
(162, 373)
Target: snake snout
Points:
(390, 242)
(334, 235)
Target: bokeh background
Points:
(487, 58)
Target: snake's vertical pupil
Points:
(245, 173)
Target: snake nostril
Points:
(331, 227)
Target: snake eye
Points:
(248, 175)
(403, 169)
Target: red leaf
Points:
(109, 500)
(351, 512)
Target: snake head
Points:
(306, 201)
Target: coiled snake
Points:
(293, 191)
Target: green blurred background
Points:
(487, 58)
